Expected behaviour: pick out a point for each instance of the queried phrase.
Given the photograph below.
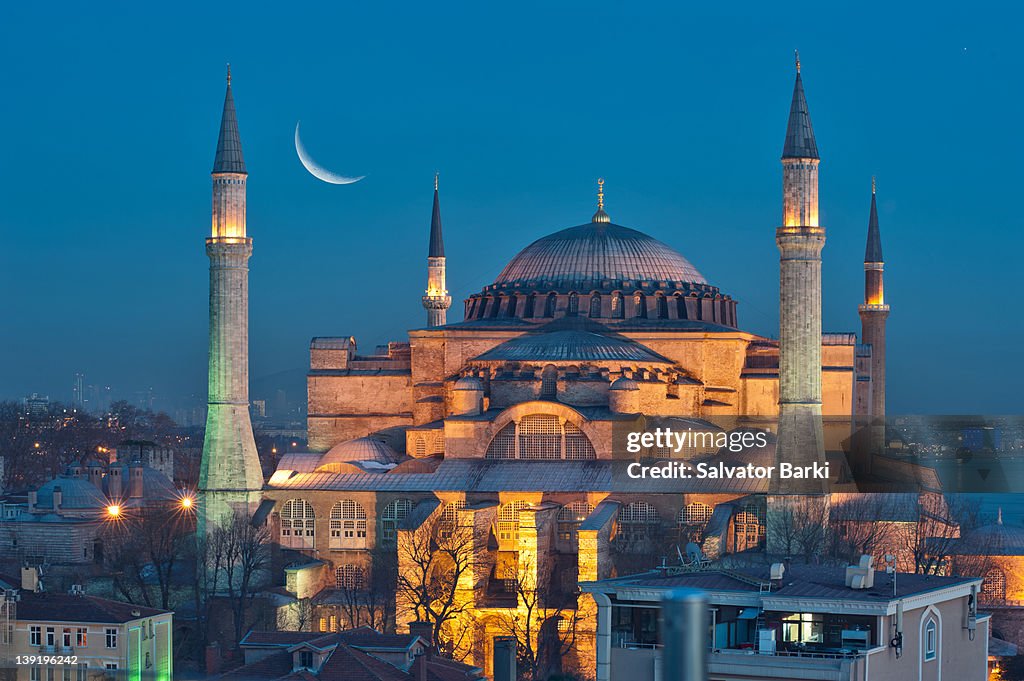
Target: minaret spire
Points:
(873, 315)
(230, 478)
(436, 301)
(800, 240)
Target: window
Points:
(574, 304)
(549, 382)
(51, 636)
(306, 659)
(334, 623)
(803, 627)
(149, 662)
(35, 674)
(394, 514)
(531, 302)
(570, 517)
(35, 636)
(449, 519)
(112, 666)
(595, 305)
(49, 673)
(617, 308)
(349, 578)
(692, 519)
(930, 641)
(323, 624)
(111, 639)
(541, 436)
(637, 521)
(508, 522)
(348, 525)
(66, 637)
(65, 674)
(83, 672)
(298, 524)
(993, 588)
(81, 637)
(640, 306)
(550, 304)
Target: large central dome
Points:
(596, 255)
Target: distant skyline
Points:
(110, 124)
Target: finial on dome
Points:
(600, 215)
(796, 55)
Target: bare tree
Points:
(543, 634)
(799, 526)
(237, 556)
(432, 559)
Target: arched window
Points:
(692, 519)
(662, 302)
(993, 588)
(640, 306)
(574, 304)
(637, 524)
(570, 517)
(348, 525)
(531, 302)
(931, 641)
(550, 304)
(449, 518)
(394, 513)
(549, 382)
(508, 524)
(617, 309)
(541, 436)
(595, 305)
(349, 578)
(421, 446)
(513, 301)
(298, 524)
(681, 307)
(749, 527)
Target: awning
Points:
(749, 613)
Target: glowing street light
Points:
(186, 502)
(114, 511)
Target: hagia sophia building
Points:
(503, 421)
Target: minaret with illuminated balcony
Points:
(436, 301)
(800, 240)
(874, 311)
(230, 476)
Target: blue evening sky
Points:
(109, 122)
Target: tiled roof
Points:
(572, 345)
(53, 607)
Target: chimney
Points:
(213, 659)
(424, 630)
(30, 579)
(58, 498)
(114, 483)
(504, 658)
(96, 477)
(33, 499)
(419, 666)
(135, 481)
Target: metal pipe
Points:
(684, 631)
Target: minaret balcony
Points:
(865, 307)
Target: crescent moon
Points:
(317, 170)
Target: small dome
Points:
(75, 493)
(360, 449)
(468, 383)
(624, 383)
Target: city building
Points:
(150, 454)
(806, 622)
(108, 639)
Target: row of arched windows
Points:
(545, 306)
(541, 436)
(347, 522)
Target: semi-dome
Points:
(76, 493)
(596, 255)
(468, 383)
(361, 449)
(624, 383)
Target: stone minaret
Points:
(873, 313)
(230, 476)
(437, 301)
(800, 240)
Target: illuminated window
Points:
(803, 627)
(570, 517)
(993, 588)
(637, 523)
(421, 447)
(449, 519)
(640, 306)
(348, 525)
(930, 640)
(394, 513)
(541, 436)
(298, 524)
(508, 522)
(617, 308)
(323, 624)
(692, 520)
(350, 578)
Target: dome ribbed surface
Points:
(585, 256)
(360, 449)
(75, 493)
(571, 346)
